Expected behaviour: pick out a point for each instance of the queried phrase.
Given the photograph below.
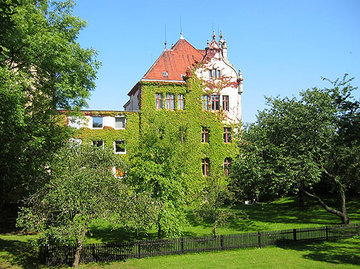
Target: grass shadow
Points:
(345, 251)
(18, 253)
(103, 231)
(287, 211)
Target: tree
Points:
(42, 69)
(213, 205)
(295, 144)
(82, 187)
(155, 168)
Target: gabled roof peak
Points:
(174, 62)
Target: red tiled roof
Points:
(174, 62)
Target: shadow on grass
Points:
(336, 252)
(287, 211)
(104, 232)
(22, 254)
(248, 218)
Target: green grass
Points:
(279, 215)
(340, 254)
(16, 250)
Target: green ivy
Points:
(169, 125)
(130, 134)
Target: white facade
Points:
(88, 122)
(219, 72)
(226, 83)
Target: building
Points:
(189, 98)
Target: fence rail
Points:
(53, 255)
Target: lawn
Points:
(340, 254)
(279, 215)
(16, 250)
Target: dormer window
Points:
(165, 74)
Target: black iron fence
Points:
(53, 255)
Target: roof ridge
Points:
(151, 67)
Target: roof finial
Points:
(221, 35)
(181, 31)
(165, 43)
(214, 36)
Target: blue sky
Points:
(281, 47)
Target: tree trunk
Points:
(214, 228)
(342, 214)
(159, 230)
(301, 198)
(80, 244)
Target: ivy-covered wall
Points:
(130, 134)
(170, 125)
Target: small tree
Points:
(215, 205)
(81, 188)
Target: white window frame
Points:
(103, 143)
(115, 147)
(75, 142)
(123, 117)
(92, 122)
(114, 172)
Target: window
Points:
(158, 100)
(225, 102)
(205, 166)
(214, 73)
(75, 142)
(97, 122)
(120, 122)
(227, 166)
(227, 135)
(161, 132)
(205, 102)
(205, 135)
(182, 133)
(165, 74)
(119, 147)
(170, 101)
(180, 101)
(215, 102)
(98, 143)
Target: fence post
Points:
(182, 244)
(326, 233)
(294, 234)
(139, 250)
(259, 239)
(357, 229)
(222, 241)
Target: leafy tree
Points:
(82, 187)
(42, 69)
(295, 144)
(215, 205)
(154, 168)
